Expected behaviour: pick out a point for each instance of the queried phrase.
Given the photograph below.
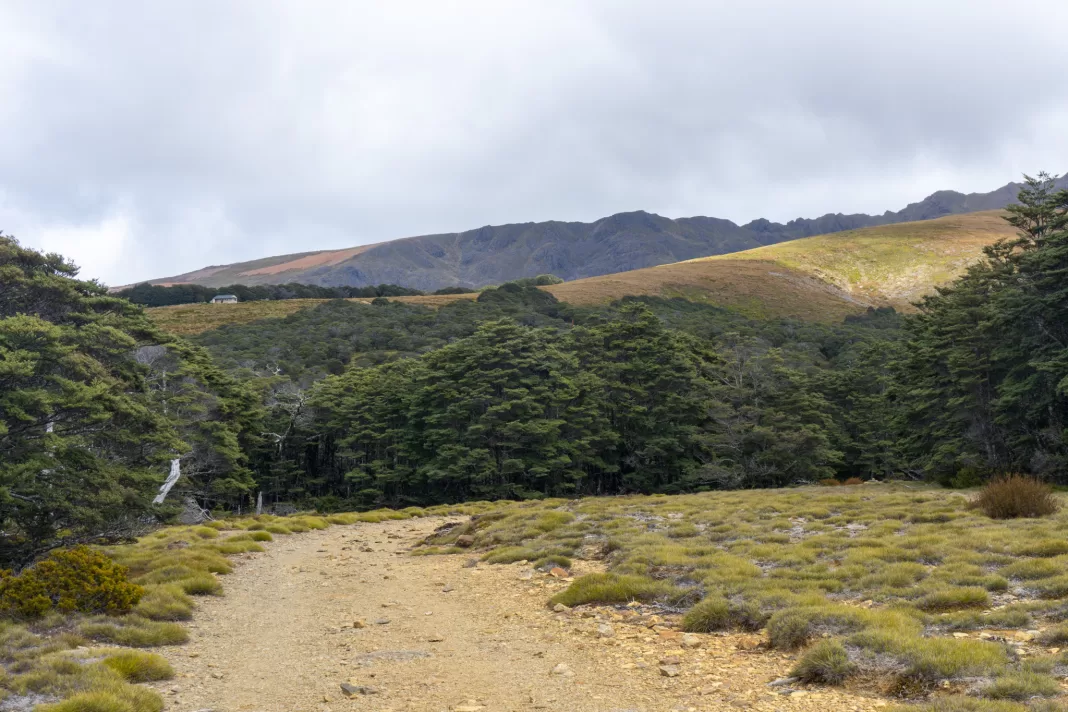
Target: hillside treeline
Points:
(154, 295)
(516, 395)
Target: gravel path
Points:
(348, 606)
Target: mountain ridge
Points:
(621, 242)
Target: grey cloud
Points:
(147, 139)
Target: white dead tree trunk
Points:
(176, 472)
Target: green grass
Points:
(612, 588)
(165, 602)
(1021, 686)
(827, 661)
(133, 631)
(138, 666)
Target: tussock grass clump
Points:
(165, 602)
(312, 522)
(1041, 547)
(613, 588)
(133, 631)
(132, 699)
(716, 613)
(343, 519)
(553, 561)
(949, 599)
(241, 544)
(1021, 686)
(708, 615)
(202, 584)
(959, 703)
(1054, 587)
(827, 661)
(205, 532)
(1007, 617)
(1057, 635)
(1016, 496)
(509, 555)
(166, 574)
(1029, 569)
(139, 666)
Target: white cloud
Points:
(226, 131)
(101, 249)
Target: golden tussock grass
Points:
(824, 277)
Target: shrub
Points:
(1016, 496)
(853, 481)
(830, 482)
(827, 661)
(78, 579)
(261, 536)
(136, 666)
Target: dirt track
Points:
(458, 638)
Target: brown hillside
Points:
(822, 277)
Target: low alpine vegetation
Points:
(865, 580)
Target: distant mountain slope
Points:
(936, 205)
(570, 250)
(490, 255)
(822, 277)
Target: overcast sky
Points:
(145, 139)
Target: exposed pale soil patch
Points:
(458, 637)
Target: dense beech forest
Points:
(515, 395)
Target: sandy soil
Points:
(349, 605)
